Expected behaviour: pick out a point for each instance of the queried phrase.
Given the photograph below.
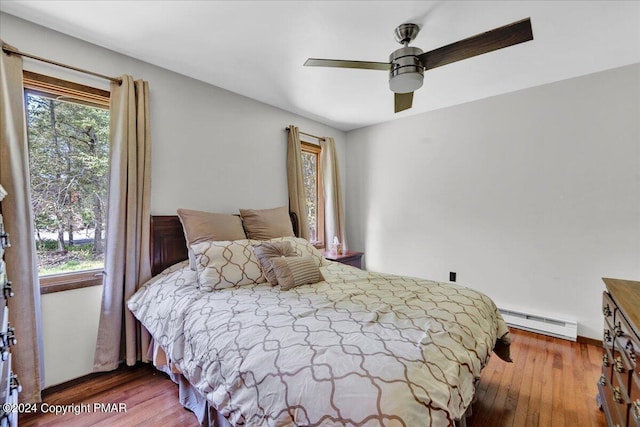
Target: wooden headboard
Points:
(167, 244)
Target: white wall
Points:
(69, 328)
(531, 197)
(211, 150)
(203, 137)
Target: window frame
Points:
(47, 86)
(315, 149)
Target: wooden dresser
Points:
(9, 384)
(619, 385)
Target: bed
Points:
(354, 349)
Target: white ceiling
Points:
(257, 48)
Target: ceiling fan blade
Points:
(508, 35)
(338, 63)
(403, 101)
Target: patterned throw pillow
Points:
(303, 247)
(265, 251)
(295, 271)
(226, 264)
(201, 226)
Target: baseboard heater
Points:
(566, 329)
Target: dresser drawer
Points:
(4, 239)
(4, 333)
(634, 413)
(12, 419)
(621, 399)
(608, 306)
(613, 401)
(3, 275)
(5, 383)
(627, 342)
(620, 361)
(608, 334)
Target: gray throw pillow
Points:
(265, 251)
(295, 271)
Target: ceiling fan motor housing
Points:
(407, 72)
(406, 33)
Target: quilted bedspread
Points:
(357, 349)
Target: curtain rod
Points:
(308, 134)
(10, 51)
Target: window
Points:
(312, 175)
(68, 138)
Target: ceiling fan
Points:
(407, 64)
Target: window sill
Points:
(318, 245)
(69, 281)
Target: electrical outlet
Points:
(452, 276)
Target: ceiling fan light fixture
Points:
(405, 83)
(407, 72)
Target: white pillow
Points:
(225, 264)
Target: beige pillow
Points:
(295, 271)
(221, 265)
(266, 251)
(265, 224)
(201, 226)
(303, 247)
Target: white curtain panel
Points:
(127, 264)
(334, 224)
(20, 258)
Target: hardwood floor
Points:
(552, 382)
(151, 399)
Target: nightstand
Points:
(352, 258)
